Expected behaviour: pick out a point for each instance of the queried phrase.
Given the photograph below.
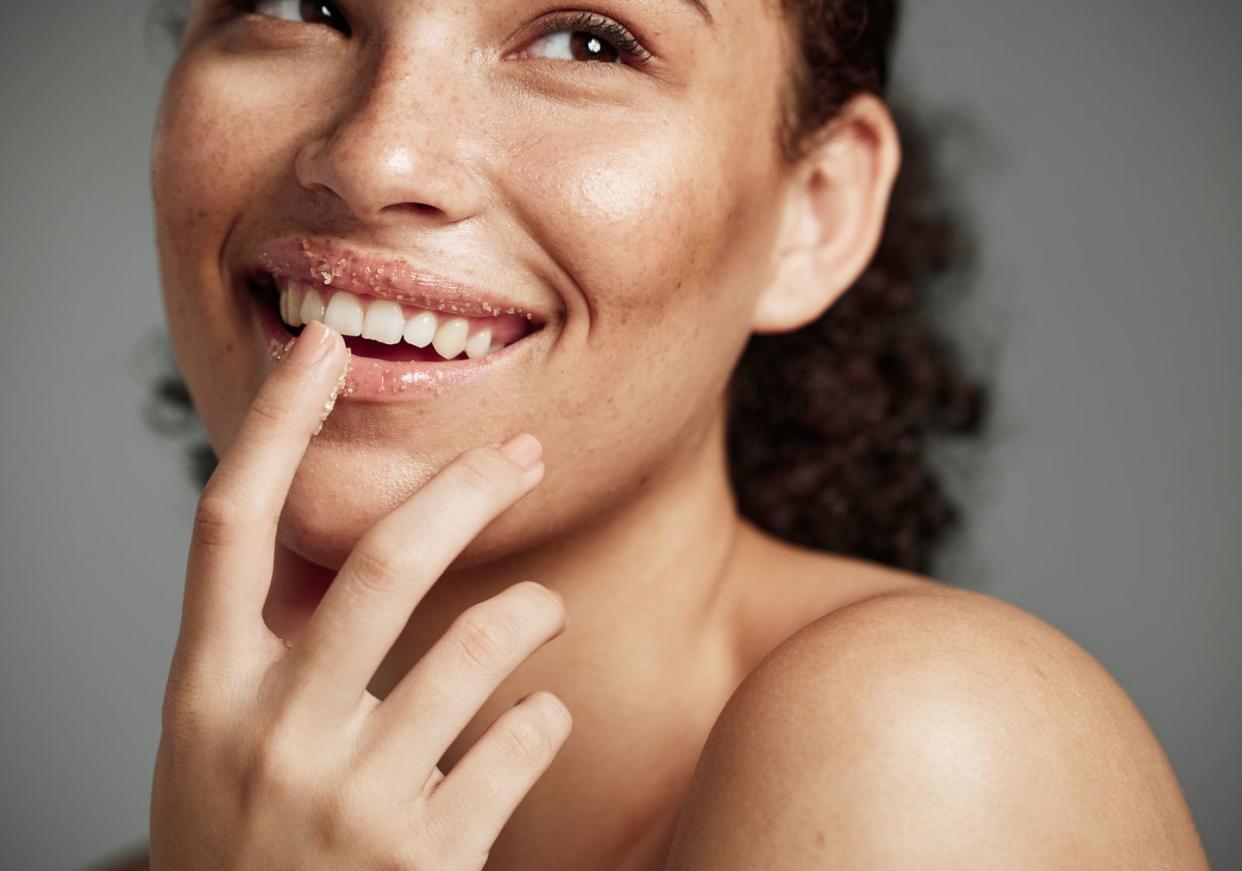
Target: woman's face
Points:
(631, 208)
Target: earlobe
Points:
(834, 211)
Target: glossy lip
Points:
(333, 265)
(375, 380)
(326, 263)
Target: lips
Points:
(383, 366)
(329, 264)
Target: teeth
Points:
(479, 345)
(344, 313)
(384, 322)
(291, 304)
(312, 306)
(450, 338)
(421, 329)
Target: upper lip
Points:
(325, 262)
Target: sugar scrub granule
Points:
(336, 390)
(280, 351)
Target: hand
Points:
(277, 757)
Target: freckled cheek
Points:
(210, 155)
(207, 162)
(641, 234)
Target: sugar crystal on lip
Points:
(279, 350)
(336, 390)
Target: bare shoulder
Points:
(932, 727)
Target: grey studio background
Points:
(1106, 194)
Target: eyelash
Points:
(627, 45)
(597, 25)
(248, 7)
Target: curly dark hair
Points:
(830, 427)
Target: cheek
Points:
(207, 161)
(636, 218)
(664, 240)
(206, 154)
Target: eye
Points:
(583, 36)
(302, 11)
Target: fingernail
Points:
(524, 449)
(312, 345)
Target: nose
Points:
(395, 150)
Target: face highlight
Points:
(633, 207)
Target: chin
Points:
(333, 503)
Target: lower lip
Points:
(374, 380)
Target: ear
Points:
(835, 202)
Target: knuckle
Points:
(483, 470)
(377, 568)
(487, 639)
(533, 731)
(216, 519)
(268, 409)
(275, 767)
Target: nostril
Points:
(415, 209)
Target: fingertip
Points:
(336, 390)
(314, 345)
(524, 450)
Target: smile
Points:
(408, 332)
(375, 323)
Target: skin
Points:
(646, 212)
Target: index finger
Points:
(233, 544)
